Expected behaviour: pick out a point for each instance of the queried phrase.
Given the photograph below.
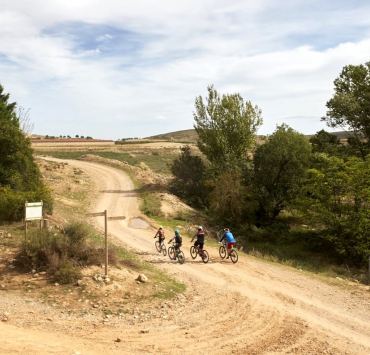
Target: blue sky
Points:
(117, 68)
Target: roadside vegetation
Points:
(20, 178)
(306, 203)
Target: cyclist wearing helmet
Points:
(178, 240)
(160, 235)
(200, 238)
(230, 240)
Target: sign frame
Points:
(33, 211)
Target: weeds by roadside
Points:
(61, 254)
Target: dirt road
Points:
(251, 307)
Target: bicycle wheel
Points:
(171, 253)
(164, 250)
(158, 246)
(193, 252)
(205, 256)
(234, 256)
(181, 257)
(222, 251)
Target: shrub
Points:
(61, 253)
(77, 233)
(67, 273)
(20, 178)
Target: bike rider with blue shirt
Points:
(230, 241)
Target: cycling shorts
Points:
(230, 245)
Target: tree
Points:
(226, 126)
(279, 169)
(350, 105)
(19, 175)
(326, 142)
(227, 198)
(189, 175)
(337, 197)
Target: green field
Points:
(157, 160)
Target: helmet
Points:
(226, 230)
(177, 233)
(160, 227)
(200, 228)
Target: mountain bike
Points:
(195, 251)
(161, 248)
(176, 253)
(222, 250)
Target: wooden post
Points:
(25, 230)
(106, 241)
(106, 219)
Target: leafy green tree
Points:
(189, 173)
(226, 126)
(325, 142)
(350, 105)
(279, 170)
(338, 199)
(19, 174)
(228, 198)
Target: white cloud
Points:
(280, 64)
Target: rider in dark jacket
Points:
(200, 238)
(160, 235)
(178, 240)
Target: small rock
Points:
(56, 284)
(49, 319)
(79, 283)
(2, 286)
(142, 278)
(106, 279)
(4, 317)
(118, 340)
(95, 306)
(144, 331)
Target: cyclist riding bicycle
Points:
(178, 240)
(200, 238)
(230, 240)
(160, 235)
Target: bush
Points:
(67, 273)
(12, 202)
(43, 250)
(61, 253)
(77, 233)
(20, 178)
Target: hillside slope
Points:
(190, 136)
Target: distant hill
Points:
(190, 136)
(186, 136)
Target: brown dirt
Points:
(252, 307)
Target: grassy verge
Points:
(294, 248)
(167, 286)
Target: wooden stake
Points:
(106, 241)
